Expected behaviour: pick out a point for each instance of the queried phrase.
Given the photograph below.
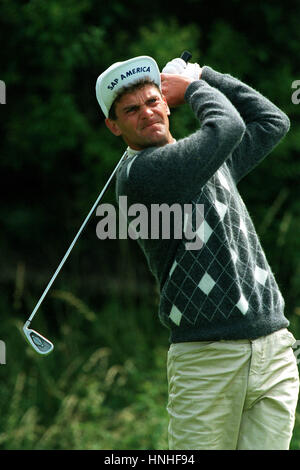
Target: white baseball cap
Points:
(123, 74)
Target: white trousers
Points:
(233, 394)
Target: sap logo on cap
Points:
(129, 73)
(122, 74)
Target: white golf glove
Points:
(180, 67)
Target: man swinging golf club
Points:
(232, 375)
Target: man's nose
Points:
(146, 111)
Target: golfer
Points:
(232, 375)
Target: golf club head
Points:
(41, 344)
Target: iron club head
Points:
(41, 344)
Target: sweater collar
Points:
(131, 152)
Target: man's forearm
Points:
(265, 123)
(251, 104)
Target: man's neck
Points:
(133, 151)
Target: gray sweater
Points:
(225, 289)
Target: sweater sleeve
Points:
(265, 123)
(176, 172)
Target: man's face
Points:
(142, 118)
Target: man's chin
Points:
(156, 138)
(156, 141)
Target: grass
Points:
(103, 387)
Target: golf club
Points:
(41, 344)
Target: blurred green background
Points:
(105, 386)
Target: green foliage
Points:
(103, 387)
(108, 369)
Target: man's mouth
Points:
(151, 124)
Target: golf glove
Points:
(180, 67)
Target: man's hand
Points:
(179, 67)
(174, 88)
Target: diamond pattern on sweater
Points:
(260, 275)
(221, 209)
(206, 284)
(175, 315)
(229, 274)
(242, 305)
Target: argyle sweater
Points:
(225, 289)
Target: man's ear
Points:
(113, 126)
(167, 106)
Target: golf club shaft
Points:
(73, 242)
